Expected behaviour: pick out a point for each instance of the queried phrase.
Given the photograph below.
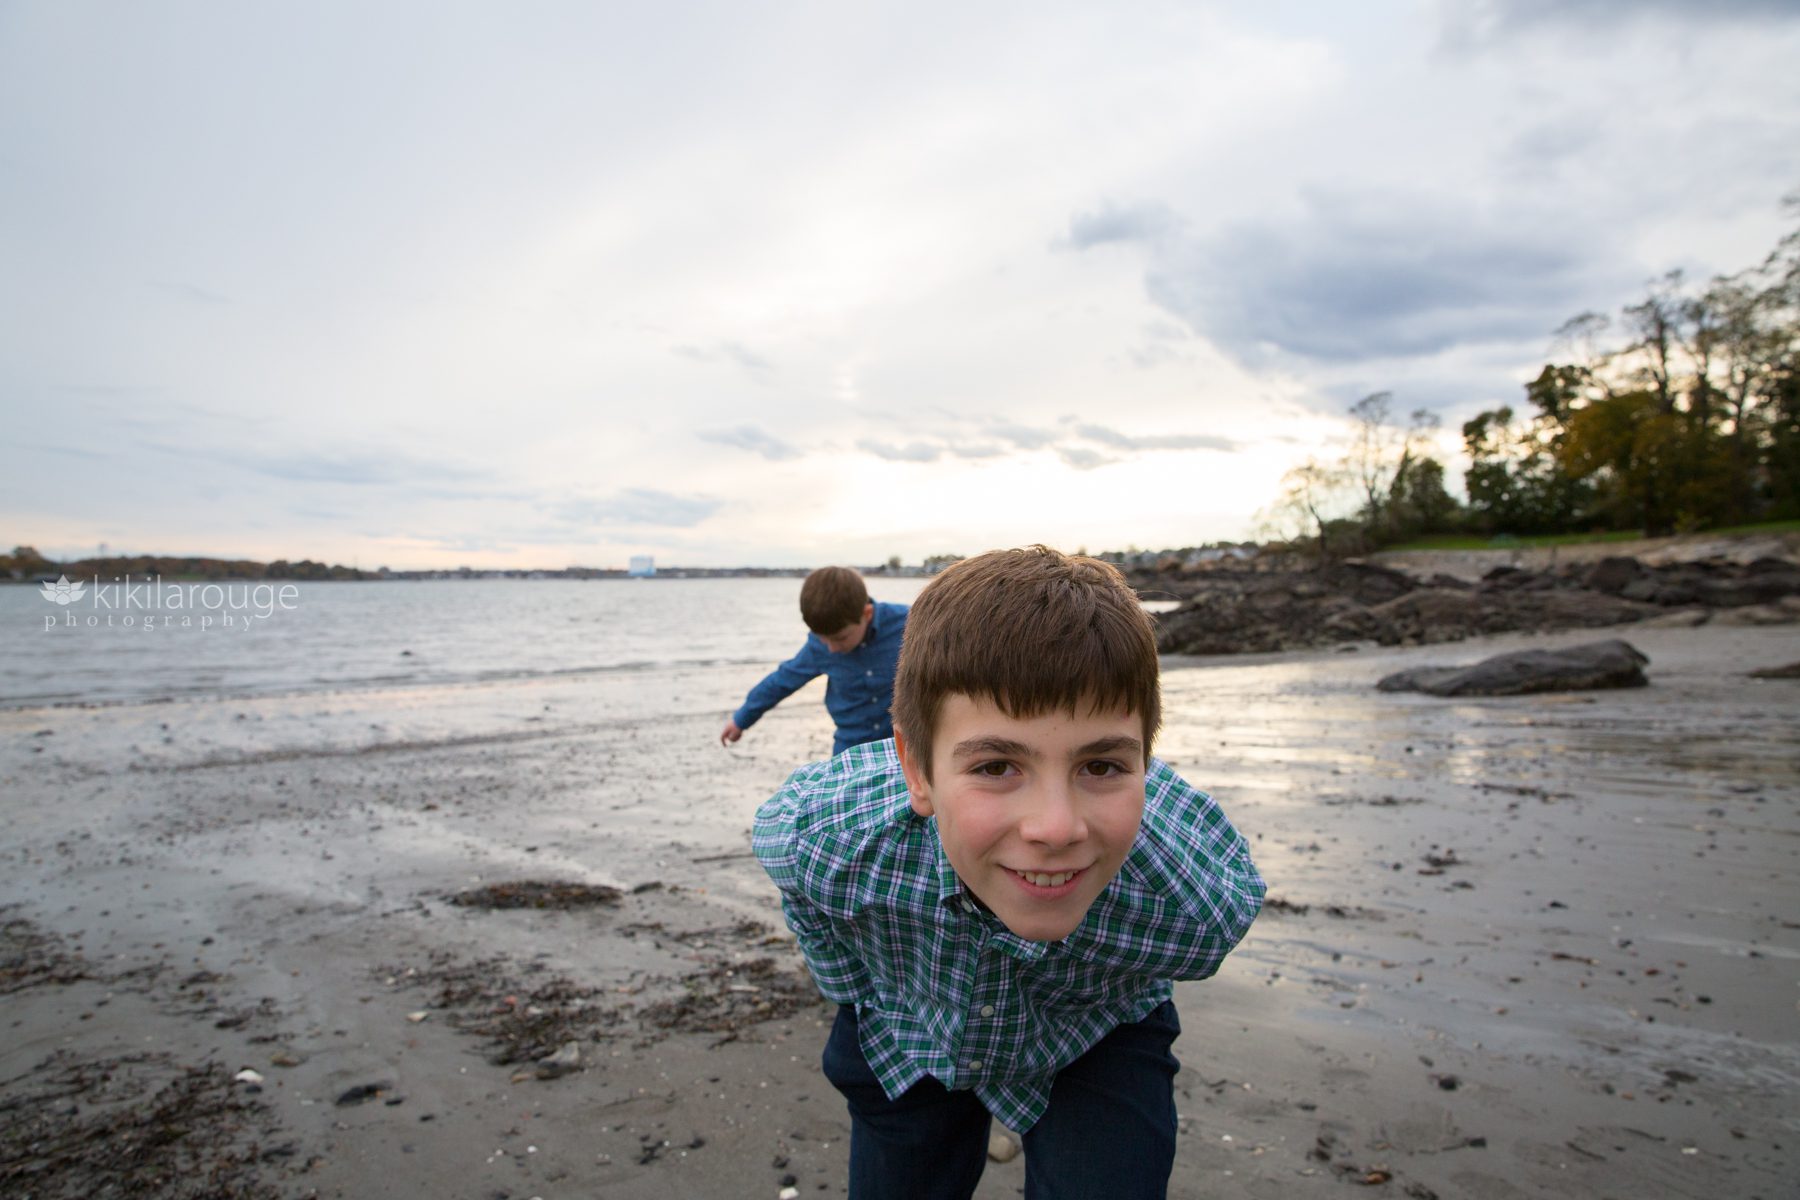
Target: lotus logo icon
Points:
(62, 591)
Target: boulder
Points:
(1610, 575)
(1609, 664)
(1432, 615)
(1757, 614)
(1571, 610)
(1662, 592)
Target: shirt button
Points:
(987, 1010)
(976, 1065)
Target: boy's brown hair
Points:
(831, 599)
(1031, 629)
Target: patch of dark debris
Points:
(1346, 912)
(1343, 801)
(536, 893)
(32, 957)
(725, 999)
(524, 1013)
(702, 939)
(135, 1126)
(520, 1012)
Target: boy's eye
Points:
(993, 770)
(1103, 767)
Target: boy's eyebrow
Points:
(991, 745)
(1111, 745)
(1008, 748)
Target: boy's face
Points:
(1036, 813)
(850, 636)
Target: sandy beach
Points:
(1534, 946)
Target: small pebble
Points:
(1001, 1147)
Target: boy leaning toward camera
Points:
(999, 897)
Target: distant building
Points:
(643, 566)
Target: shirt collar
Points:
(949, 883)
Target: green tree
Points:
(1624, 445)
(25, 562)
(1418, 502)
(1518, 481)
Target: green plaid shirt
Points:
(941, 986)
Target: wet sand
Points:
(1541, 945)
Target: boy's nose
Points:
(1054, 818)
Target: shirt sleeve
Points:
(1202, 864)
(775, 837)
(778, 685)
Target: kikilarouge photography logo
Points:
(150, 603)
(63, 592)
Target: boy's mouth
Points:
(1047, 881)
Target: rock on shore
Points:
(1610, 664)
(1282, 606)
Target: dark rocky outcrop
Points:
(1610, 664)
(1239, 608)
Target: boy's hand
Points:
(730, 734)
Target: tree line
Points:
(1682, 415)
(26, 563)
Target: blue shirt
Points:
(941, 986)
(859, 684)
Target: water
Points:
(391, 634)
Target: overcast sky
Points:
(431, 283)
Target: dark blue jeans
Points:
(1109, 1130)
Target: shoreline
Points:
(251, 886)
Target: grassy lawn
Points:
(1454, 541)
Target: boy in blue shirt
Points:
(855, 644)
(999, 897)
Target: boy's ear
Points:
(916, 783)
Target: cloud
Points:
(330, 468)
(1023, 436)
(735, 353)
(1466, 23)
(1366, 275)
(192, 292)
(1113, 223)
(639, 506)
(107, 391)
(325, 467)
(749, 437)
(1157, 441)
(1082, 458)
(1029, 439)
(71, 451)
(915, 452)
(456, 543)
(974, 449)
